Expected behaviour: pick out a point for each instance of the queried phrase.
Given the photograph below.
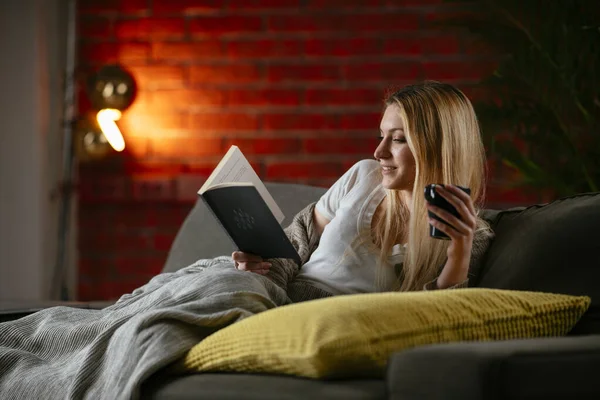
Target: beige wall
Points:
(31, 68)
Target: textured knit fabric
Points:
(71, 353)
(348, 336)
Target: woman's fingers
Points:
(240, 256)
(447, 229)
(250, 262)
(257, 268)
(462, 203)
(457, 224)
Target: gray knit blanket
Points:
(71, 353)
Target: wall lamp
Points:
(111, 90)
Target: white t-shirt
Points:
(341, 264)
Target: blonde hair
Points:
(443, 134)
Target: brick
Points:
(320, 4)
(150, 167)
(158, 76)
(143, 96)
(153, 189)
(218, 25)
(150, 28)
(173, 215)
(266, 145)
(175, 147)
(406, 46)
(127, 242)
(382, 71)
(300, 73)
(163, 242)
(113, 6)
(224, 121)
(240, 48)
(186, 98)
(264, 97)
(89, 218)
(447, 44)
(108, 188)
(262, 4)
(93, 241)
(342, 145)
(458, 70)
(86, 291)
(372, 22)
(442, 15)
(503, 197)
(383, 22)
(131, 215)
(94, 28)
(105, 53)
(415, 2)
(360, 121)
(300, 121)
(137, 266)
(211, 74)
(344, 47)
(344, 97)
(477, 46)
(140, 122)
(295, 170)
(185, 7)
(197, 51)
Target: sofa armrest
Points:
(548, 368)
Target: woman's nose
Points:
(381, 151)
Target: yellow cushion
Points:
(354, 335)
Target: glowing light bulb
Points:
(107, 120)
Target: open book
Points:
(244, 207)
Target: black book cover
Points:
(249, 222)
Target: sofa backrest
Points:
(201, 236)
(549, 248)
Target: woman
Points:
(375, 216)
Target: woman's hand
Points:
(250, 262)
(461, 234)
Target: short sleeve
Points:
(329, 203)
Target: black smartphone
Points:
(432, 197)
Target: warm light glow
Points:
(106, 119)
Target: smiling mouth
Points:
(388, 168)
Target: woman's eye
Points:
(379, 138)
(400, 140)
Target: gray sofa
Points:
(552, 248)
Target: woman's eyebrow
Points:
(393, 130)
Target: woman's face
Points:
(394, 156)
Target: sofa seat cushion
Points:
(548, 248)
(259, 387)
(354, 335)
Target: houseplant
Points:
(541, 115)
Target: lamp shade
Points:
(89, 141)
(111, 87)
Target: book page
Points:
(234, 167)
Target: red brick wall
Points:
(296, 84)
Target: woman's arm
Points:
(320, 221)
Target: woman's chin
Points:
(389, 183)
(394, 184)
